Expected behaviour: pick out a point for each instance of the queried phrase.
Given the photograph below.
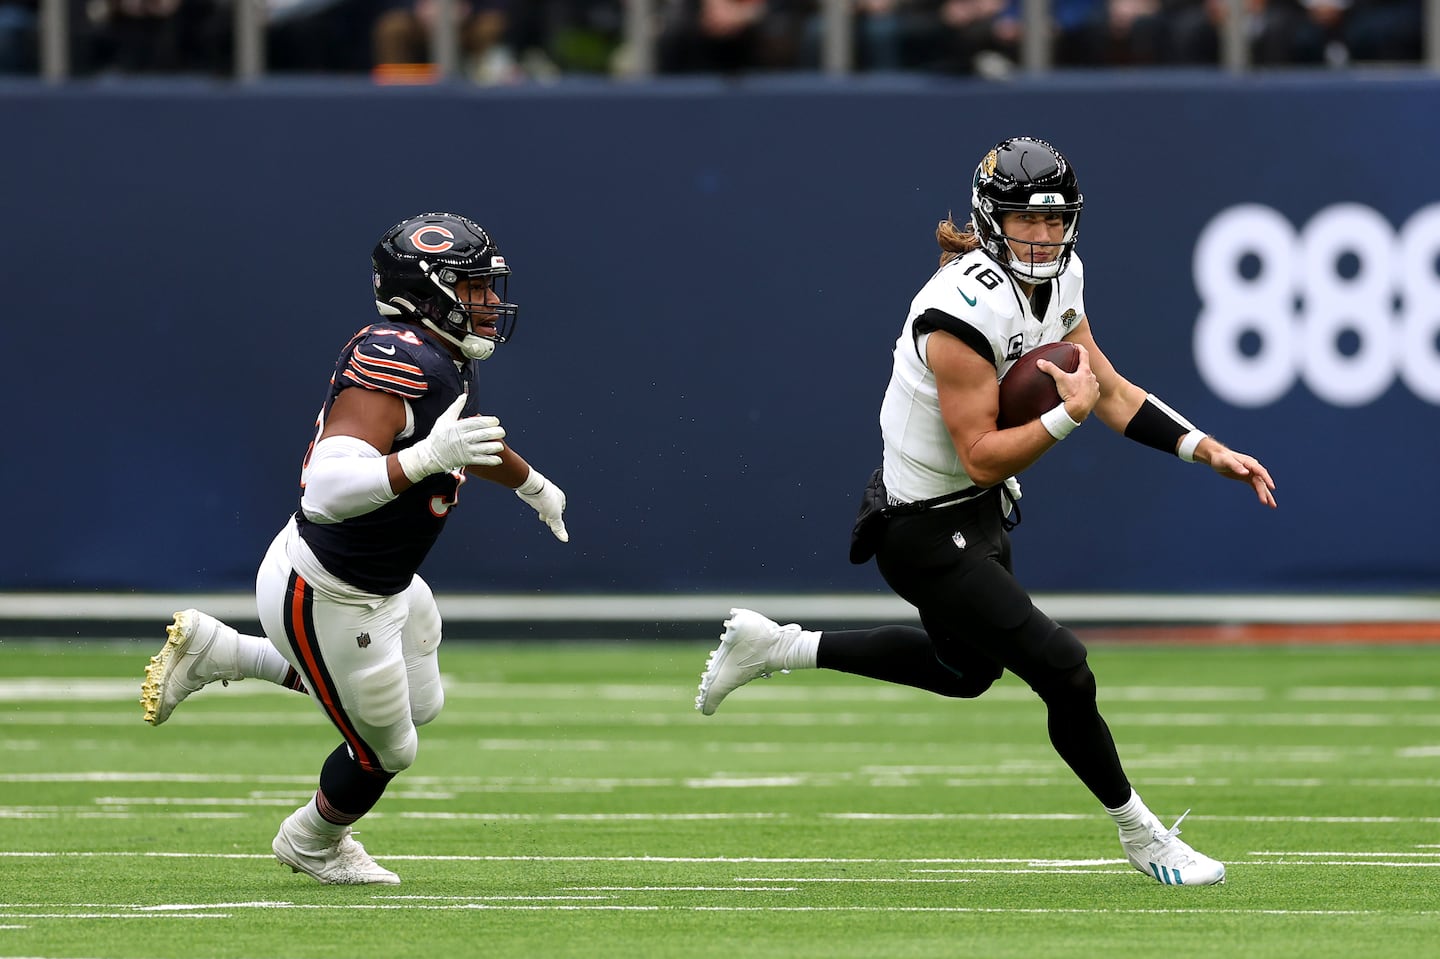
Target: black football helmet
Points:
(419, 262)
(1025, 174)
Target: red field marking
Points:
(1270, 633)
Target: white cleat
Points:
(199, 650)
(747, 650)
(1167, 859)
(343, 863)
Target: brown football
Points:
(1026, 392)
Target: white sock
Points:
(316, 826)
(1134, 818)
(259, 659)
(800, 652)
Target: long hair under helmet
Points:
(1024, 174)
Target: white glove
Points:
(454, 443)
(548, 500)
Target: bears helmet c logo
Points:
(416, 238)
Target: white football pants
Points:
(369, 661)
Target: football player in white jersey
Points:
(936, 516)
(346, 616)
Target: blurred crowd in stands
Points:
(512, 41)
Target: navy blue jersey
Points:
(381, 551)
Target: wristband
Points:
(416, 463)
(1057, 422)
(533, 484)
(1192, 439)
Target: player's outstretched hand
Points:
(1246, 469)
(453, 444)
(548, 500)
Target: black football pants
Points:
(953, 564)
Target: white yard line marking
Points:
(847, 879)
(566, 907)
(1290, 859)
(1368, 855)
(598, 817)
(1364, 694)
(1337, 862)
(1039, 872)
(984, 817)
(491, 898)
(688, 888)
(111, 689)
(115, 915)
(1240, 719)
(663, 718)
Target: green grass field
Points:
(571, 802)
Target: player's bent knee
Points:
(970, 682)
(1062, 649)
(972, 687)
(424, 708)
(1079, 684)
(398, 753)
(421, 635)
(1066, 676)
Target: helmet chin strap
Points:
(1035, 272)
(477, 347)
(1028, 270)
(473, 345)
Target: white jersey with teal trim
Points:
(984, 305)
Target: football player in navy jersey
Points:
(936, 515)
(347, 618)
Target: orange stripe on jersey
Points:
(398, 366)
(370, 382)
(391, 377)
(307, 650)
(385, 376)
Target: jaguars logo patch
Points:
(1068, 318)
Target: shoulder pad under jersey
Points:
(395, 360)
(971, 288)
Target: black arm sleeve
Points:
(1155, 426)
(933, 319)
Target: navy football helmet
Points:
(1024, 174)
(418, 264)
